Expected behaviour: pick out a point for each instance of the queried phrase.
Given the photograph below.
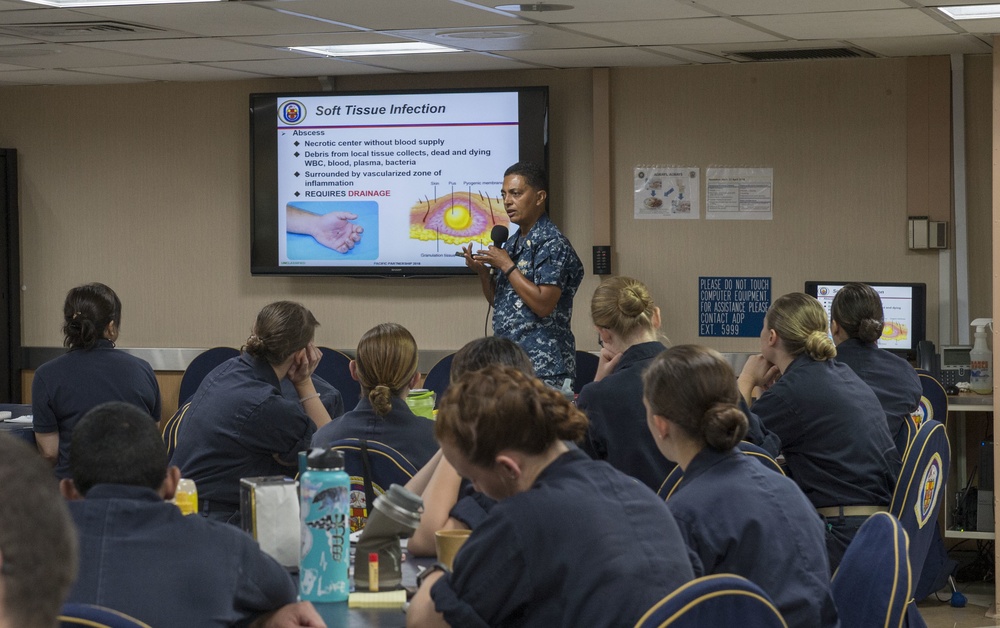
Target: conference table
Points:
(20, 430)
(338, 615)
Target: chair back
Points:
(439, 377)
(76, 615)
(917, 497)
(335, 368)
(373, 467)
(872, 585)
(715, 600)
(202, 365)
(759, 454)
(586, 369)
(933, 400)
(172, 427)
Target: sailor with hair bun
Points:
(832, 428)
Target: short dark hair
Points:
(490, 351)
(37, 538)
(87, 312)
(533, 174)
(117, 443)
(282, 328)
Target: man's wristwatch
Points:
(438, 566)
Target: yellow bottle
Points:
(186, 497)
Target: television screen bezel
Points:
(919, 322)
(533, 145)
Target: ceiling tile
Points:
(605, 11)
(675, 32)
(216, 19)
(319, 39)
(533, 37)
(304, 66)
(693, 56)
(984, 27)
(923, 46)
(395, 14)
(852, 25)
(194, 49)
(74, 56)
(779, 7)
(176, 72)
(446, 62)
(60, 77)
(594, 57)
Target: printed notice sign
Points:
(732, 306)
(739, 193)
(667, 192)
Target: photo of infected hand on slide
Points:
(333, 230)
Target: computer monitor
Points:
(904, 306)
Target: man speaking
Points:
(532, 279)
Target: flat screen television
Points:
(420, 171)
(904, 306)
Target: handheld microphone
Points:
(499, 235)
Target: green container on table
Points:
(421, 402)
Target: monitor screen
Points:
(904, 306)
(412, 175)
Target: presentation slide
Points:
(897, 309)
(411, 177)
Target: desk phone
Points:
(956, 366)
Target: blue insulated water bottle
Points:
(326, 546)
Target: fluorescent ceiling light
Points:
(74, 4)
(972, 11)
(368, 50)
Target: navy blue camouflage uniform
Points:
(545, 257)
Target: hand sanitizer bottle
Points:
(981, 380)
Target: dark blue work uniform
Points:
(407, 433)
(66, 388)
(835, 441)
(891, 378)
(739, 517)
(618, 432)
(586, 545)
(141, 556)
(237, 423)
(546, 258)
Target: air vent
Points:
(803, 54)
(104, 29)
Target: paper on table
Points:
(380, 599)
(21, 419)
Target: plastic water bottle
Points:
(186, 496)
(981, 359)
(326, 546)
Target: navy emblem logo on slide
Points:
(292, 112)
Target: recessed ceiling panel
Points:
(984, 27)
(848, 25)
(675, 32)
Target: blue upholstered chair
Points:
(172, 427)
(933, 400)
(439, 377)
(716, 600)
(77, 615)
(373, 467)
(586, 369)
(201, 366)
(335, 369)
(872, 585)
(759, 454)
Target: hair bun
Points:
(633, 300)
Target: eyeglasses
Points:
(600, 343)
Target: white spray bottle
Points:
(981, 380)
